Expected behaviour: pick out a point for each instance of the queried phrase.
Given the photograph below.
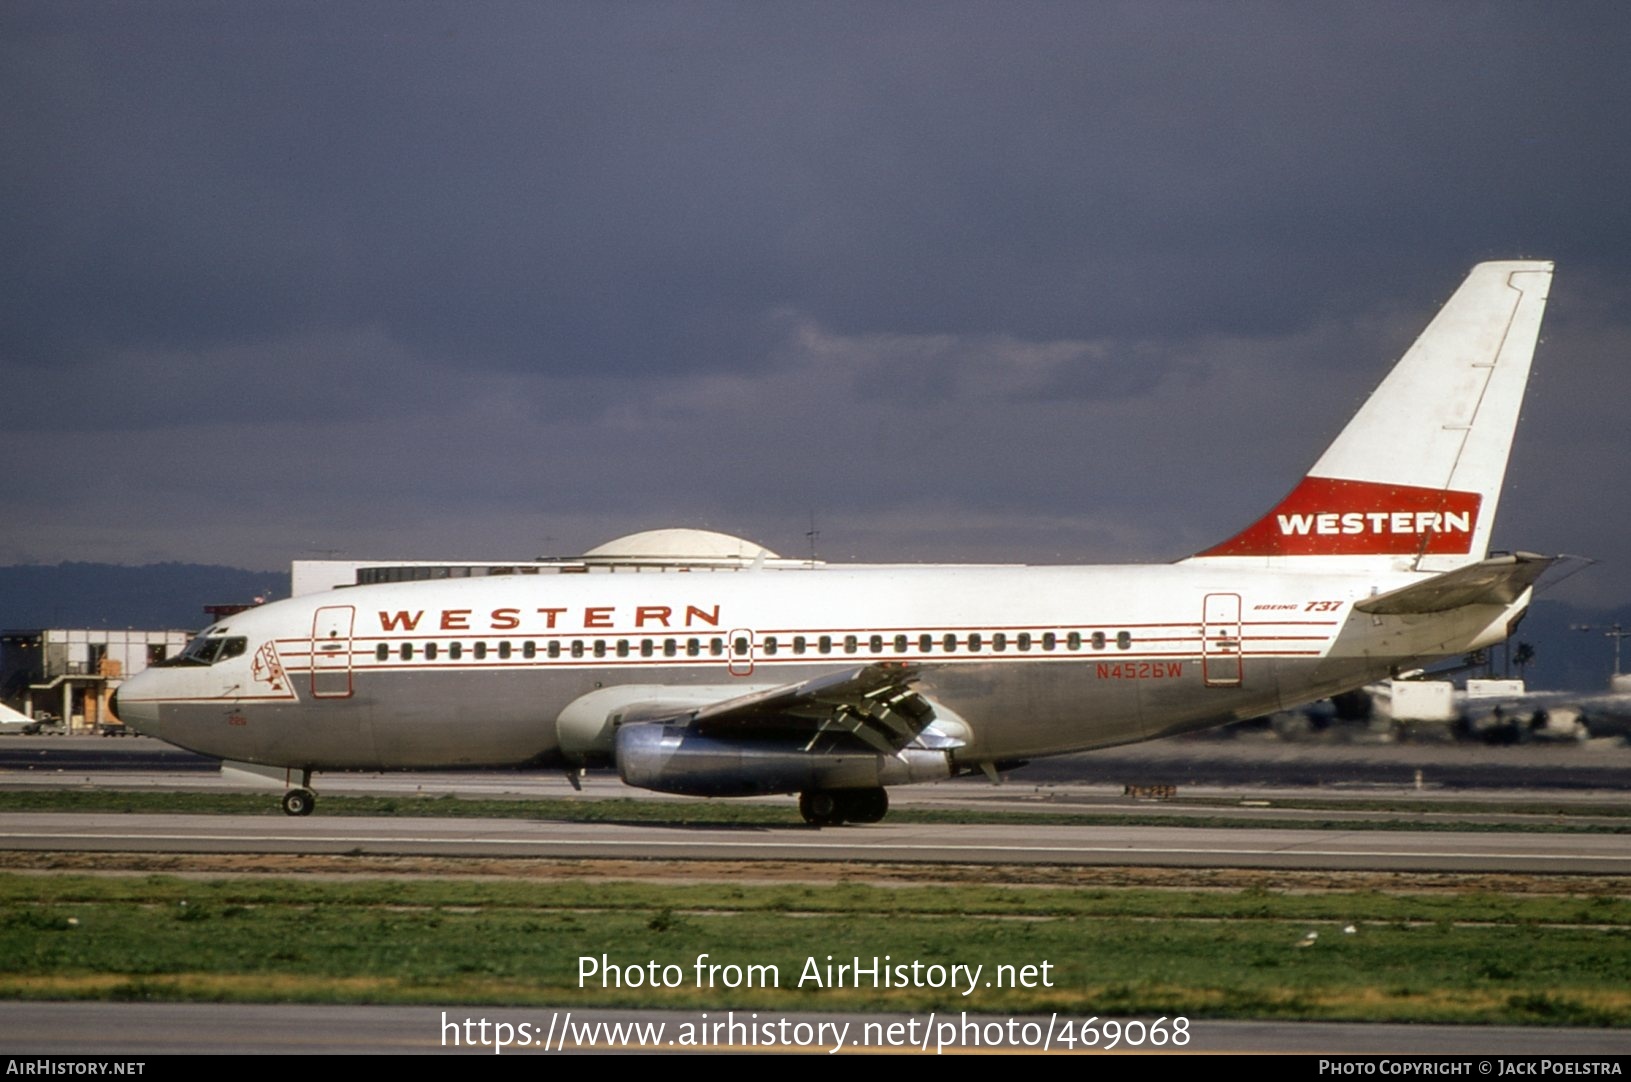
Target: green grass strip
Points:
(1432, 957)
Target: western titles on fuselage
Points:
(589, 617)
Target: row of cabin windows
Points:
(998, 641)
(576, 648)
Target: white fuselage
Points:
(1018, 661)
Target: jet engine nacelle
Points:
(587, 728)
(676, 759)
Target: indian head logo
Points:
(266, 670)
(1327, 517)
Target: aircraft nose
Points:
(139, 714)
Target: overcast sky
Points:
(999, 282)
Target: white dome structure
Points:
(678, 547)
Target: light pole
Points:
(1614, 632)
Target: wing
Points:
(873, 703)
(858, 728)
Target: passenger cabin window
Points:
(1074, 640)
(693, 647)
(529, 649)
(1049, 640)
(949, 643)
(900, 644)
(577, 647)
(455, 650)
(381, 652)
(1098, 640)
(647, 647)
(480, 650)
(975, 640)
(670, 648)
(405, 651)
(1023, 640)
(622, 647)
(824, 644)
(716, 647)
(875, 644)
(925, 643)
(504, 650)
(740, 646)
(431, 650)
(1124, 640)
(798, 644)
(999, 641)
(849, 644)
(770, 644)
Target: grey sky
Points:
(1018, 281)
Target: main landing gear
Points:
(830, 807)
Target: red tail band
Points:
(1327, 517)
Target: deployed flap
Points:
(1499, 580)
(874, 703)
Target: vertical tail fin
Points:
(1414, 480)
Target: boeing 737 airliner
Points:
(770, 676)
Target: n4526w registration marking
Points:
(1140, 670)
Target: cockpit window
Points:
(207, 649)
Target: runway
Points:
(1602, 765)
(1507, 775)
(1143, 846)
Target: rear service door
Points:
(1220, 641)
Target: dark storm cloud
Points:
(634, 187)
(988, 281)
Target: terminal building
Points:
(65, 675)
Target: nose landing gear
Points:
(299, 802)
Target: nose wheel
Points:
(830, 807)
(299, 802)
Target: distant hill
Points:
(152, 597)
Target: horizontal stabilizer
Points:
(1500, 580)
